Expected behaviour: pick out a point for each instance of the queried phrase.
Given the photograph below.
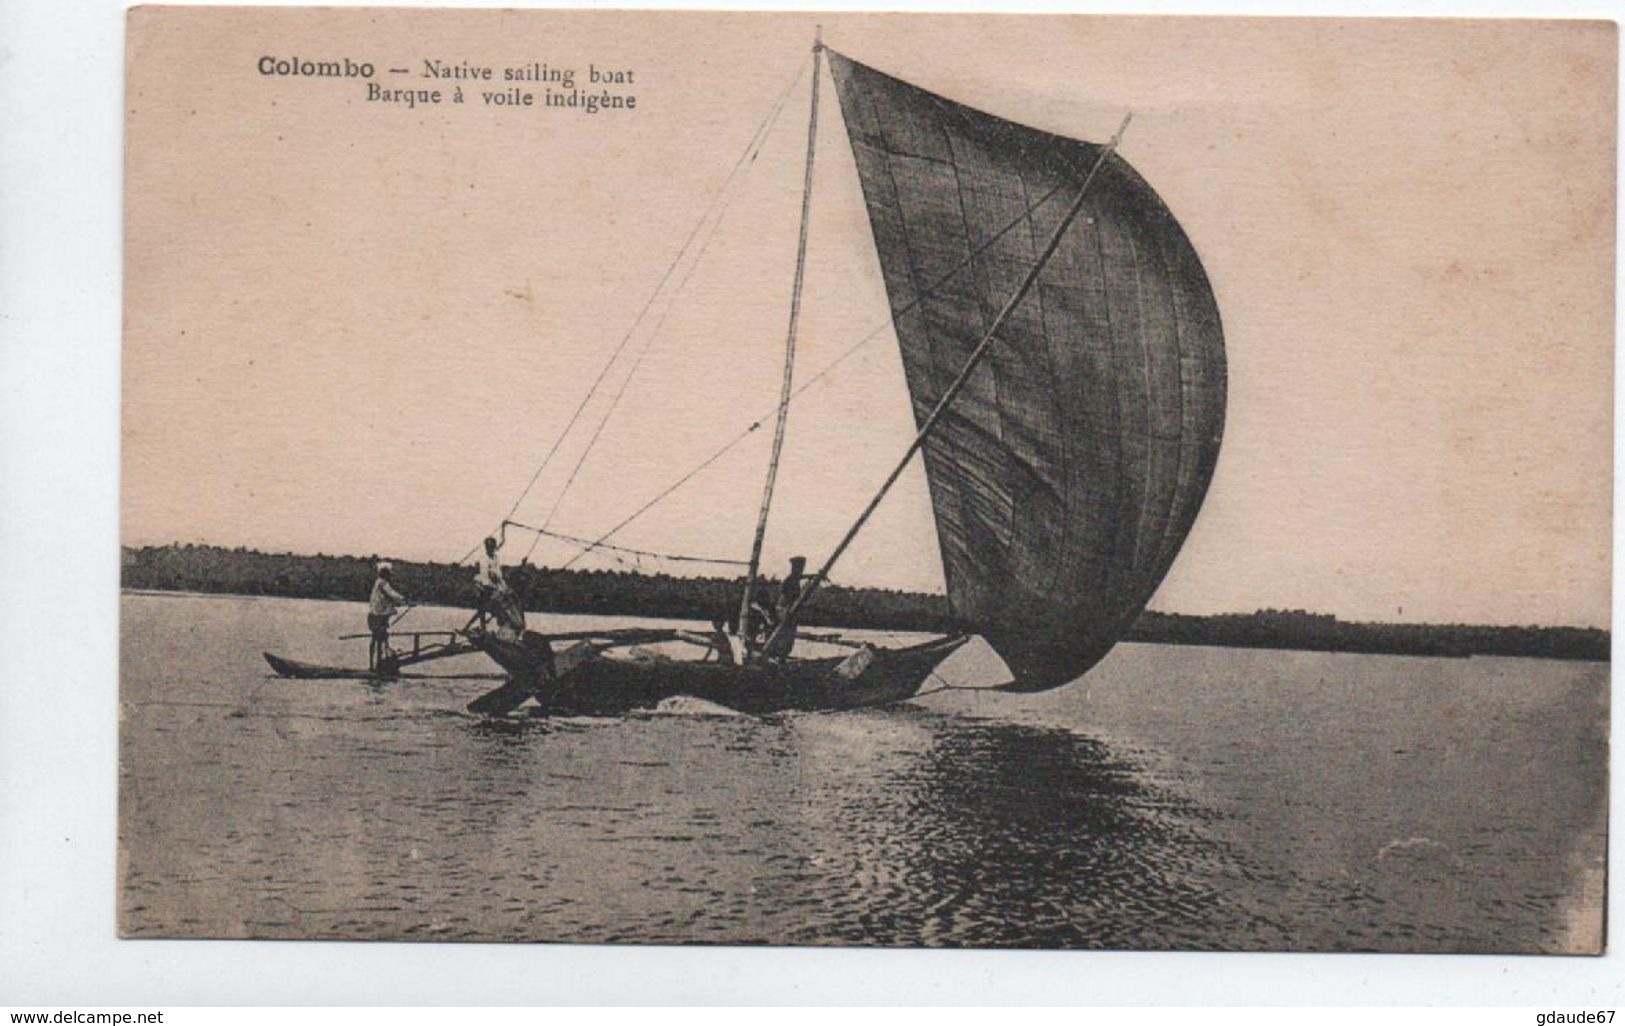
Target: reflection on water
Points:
(252, 806)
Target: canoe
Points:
(588, 679)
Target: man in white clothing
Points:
(381, 609)
(488, 581)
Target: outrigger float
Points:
(448, 643)
(1065, 361)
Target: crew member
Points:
(782, 638)
(488, 580)
(381, 609)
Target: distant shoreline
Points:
(214, 570)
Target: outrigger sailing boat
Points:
(1064, 355)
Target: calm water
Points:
(1176, 797)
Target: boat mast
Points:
(789, 348)
(960, 381)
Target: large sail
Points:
(1067, 473)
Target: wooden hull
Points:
(595, 684)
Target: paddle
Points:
(397, 619)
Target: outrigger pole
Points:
(959, 382)
(789, 348)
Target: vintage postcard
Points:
(859, 479)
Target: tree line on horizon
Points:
(242, 571)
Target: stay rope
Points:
(669, 556)
(943, 685)
(714, 216)
(718, 201)
(873, 334)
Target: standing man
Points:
(381, 609)
(783, 632)
(488, 581)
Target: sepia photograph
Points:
(866, 480)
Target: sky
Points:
(356, 327)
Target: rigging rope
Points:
(715, 216)
(989, 337)
(672, 556)
(626, 382)
(748, 155)
(945, 686)
(873, 334)
(680, 482)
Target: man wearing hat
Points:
(488, 581)
(381, 611)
